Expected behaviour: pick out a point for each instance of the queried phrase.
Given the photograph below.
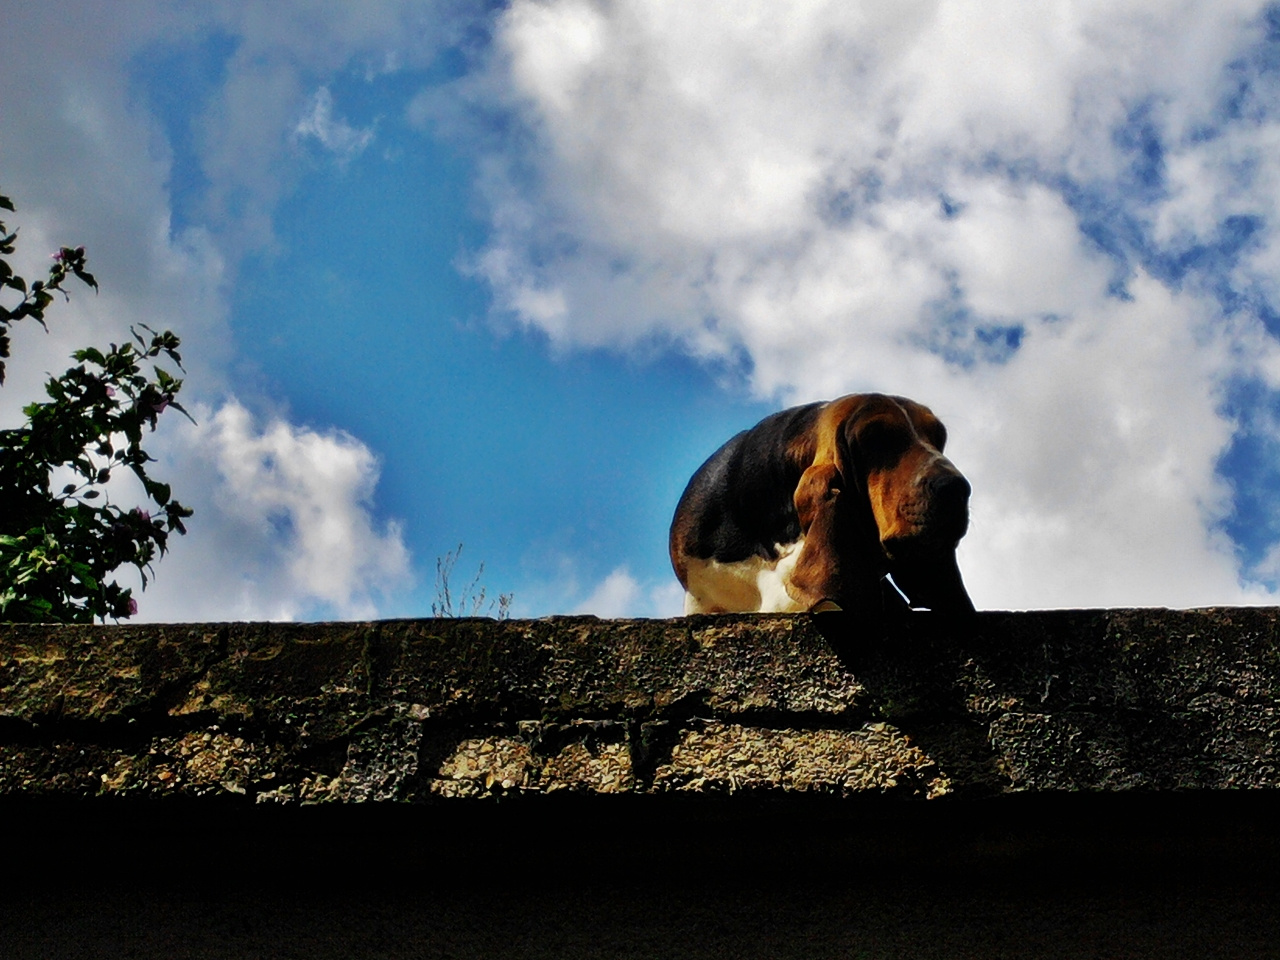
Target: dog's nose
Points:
(949, 491)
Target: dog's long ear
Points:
(933, 582)
(836, 565)
(830, 441)
(841, 559)
(848, 457)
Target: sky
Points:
(504, 274)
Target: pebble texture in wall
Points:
(465, 711)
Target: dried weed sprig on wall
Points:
(471, 601)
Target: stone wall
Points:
(430, 710)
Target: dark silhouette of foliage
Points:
(61, 536)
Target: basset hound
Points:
(813, 506)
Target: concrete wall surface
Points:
(1061, 783)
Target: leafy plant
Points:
(471, 601)
(61, 536)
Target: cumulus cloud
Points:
(615, 596)
(283, 525)
(1055, 226)
(621, 595)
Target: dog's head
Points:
(891, 449)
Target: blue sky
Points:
(505, 274)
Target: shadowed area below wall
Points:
(1062, 875)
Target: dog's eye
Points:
(933, 432)
(882, 442)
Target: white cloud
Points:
(283, 525)
(333, 133)
(1098, 483)
(622, 595)
(615, 596)
(864, 197)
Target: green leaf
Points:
(159, 491)
(175, 405)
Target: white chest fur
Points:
(751, 585)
